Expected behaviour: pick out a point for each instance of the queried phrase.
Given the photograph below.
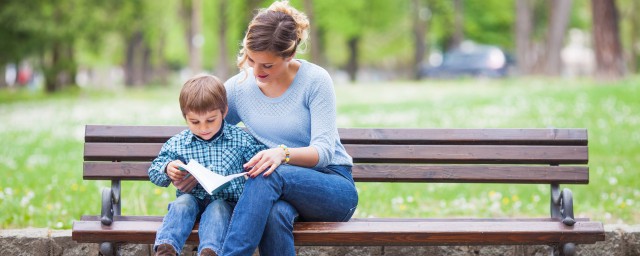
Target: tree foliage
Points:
(61, 36)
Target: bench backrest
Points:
(543, 156)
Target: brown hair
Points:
(201, 94)
(279, 29)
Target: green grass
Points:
(42, 136)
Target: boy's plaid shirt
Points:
(224, 155)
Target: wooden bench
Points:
(511, 156)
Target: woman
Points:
(289, 105)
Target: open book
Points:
(210, 181)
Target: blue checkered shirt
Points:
(223, 155)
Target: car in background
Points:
(471, 60)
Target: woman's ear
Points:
(287, 59)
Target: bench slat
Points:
(394, 173)
(385, 153)
(378, 232)
(159, 219)
(536, 136)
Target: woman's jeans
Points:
(265, 213)
(183, 212)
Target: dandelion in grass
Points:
(613, 181)
(409, 199)
(495, 196)
(8, 192)
(27, 198)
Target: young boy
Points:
(220, 147)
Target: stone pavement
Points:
(621, 240)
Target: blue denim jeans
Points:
(183, 213)
(265, 213)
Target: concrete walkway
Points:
(621, 240)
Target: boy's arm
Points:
(157, 173)
(252, 148)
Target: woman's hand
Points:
(268, 159)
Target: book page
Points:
(210, 181)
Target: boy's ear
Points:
(224, 113)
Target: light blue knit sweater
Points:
(305, 115)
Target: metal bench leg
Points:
(568, 249)
(107, 249)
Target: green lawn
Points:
(41, 156)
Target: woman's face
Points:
(267, 67)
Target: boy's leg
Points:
(178, 223)
(213, 225)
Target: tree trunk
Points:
(634, 58)
(133, 66)
(222, 65)
(419, 32)
(524, 29)
(147, 67)
(606, 39)
(161, 72)
(458, 25)
(3, 77)
(314, 35)
(352, 64)
(558, 22)
(52, 69)
(195, 38)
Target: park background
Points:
(123, 62)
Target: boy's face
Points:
(205, 125)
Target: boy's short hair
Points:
(201, 94)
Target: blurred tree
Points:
(222, 71)
(489, 22)
(315, 35)
(630, 32)
(191, 13)
(420, 15)
(524, 29)
(49, 32)
(606, 38)
(143, 26)
(351, 20)
(458, 24)
(558, 21)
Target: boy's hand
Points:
(174, 173)
(186, 185)
(179, 178)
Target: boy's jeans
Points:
(183, 212)
(268, 207)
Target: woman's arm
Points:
(269, 159)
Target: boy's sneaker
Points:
(165, 250)
(208, 252)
